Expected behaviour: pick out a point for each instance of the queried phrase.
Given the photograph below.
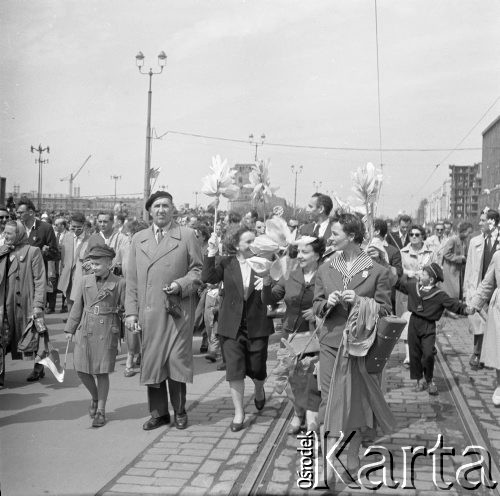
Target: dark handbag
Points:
(29, 339)
(389, 330)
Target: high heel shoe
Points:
(295, 425)
(237, 426)
(99, 419)
(259, 404)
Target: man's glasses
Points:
(4, 216)
(415, 235)
(439, 230)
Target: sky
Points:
(303, 73)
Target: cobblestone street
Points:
(207, 458)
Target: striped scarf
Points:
(362, 262)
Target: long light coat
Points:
(453, 265)
(472, 279)
(26, 289)
(489, 288)
(70, 264)
(166, 340)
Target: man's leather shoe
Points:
(211, 357)
(259, 404)
(36, 374)
(181, 420)
(155, 422)
(221, 366)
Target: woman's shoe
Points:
(99, 419)
(36, 375)
(433, 390)
(237, 426)
(259, 404)
(406, 363)
(92, 408)
(129, 372)
(295, 425)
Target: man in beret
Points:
(163, 275)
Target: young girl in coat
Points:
(426, 302)
(95, 320)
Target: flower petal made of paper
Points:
(259, 265)
(264, 244)
(278, 268)
(278, 231)
(209, 185)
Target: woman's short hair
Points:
(351, 224)
(134, 226)
(464, 226)
(318, 246)
(419, 228)
(233, 236)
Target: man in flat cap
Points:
(163, 275)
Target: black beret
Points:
(435, 271)
(156, 195)
(101, 251)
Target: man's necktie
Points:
(488, 242)
(316, 231)
(159, 235)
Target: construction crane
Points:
(72, 176)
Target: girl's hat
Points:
(435, 271)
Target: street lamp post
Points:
(296, 170)
(196, 193)
(256, 143)
(317, 185)
(40, 162)
(162, 60)
(116, 178)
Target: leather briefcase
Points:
(389, 330)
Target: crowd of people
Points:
(153, 285)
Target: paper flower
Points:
(278, 231)
(259, 265)
(221, 181)
(260, 181)
(367, 182)
(264, 246)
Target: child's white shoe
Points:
(496, 397)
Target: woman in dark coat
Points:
(351, 399)
(298, 292)
(22, 290)
(243, 325)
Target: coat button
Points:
(101, 321)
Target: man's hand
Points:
(470, 310)
(173, 289)
(45, 249)
(308, 315)
(333, 299)
(131, 322)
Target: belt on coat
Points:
(100, 310)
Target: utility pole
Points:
(162, 60)
(317, 185)
(115, 179)
(296, 170)
(256, 143)
(40, 162)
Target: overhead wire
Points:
(457, 147)
(314, 147)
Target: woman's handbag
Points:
(388, 331)
(29, 339)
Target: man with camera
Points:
(163, 275)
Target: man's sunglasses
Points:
(4, 216)
(415, 235)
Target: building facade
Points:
(438, 204)
(465, 188)
(490, 195)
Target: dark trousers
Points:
(421, 341)
(478, 343)
(158, 397)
